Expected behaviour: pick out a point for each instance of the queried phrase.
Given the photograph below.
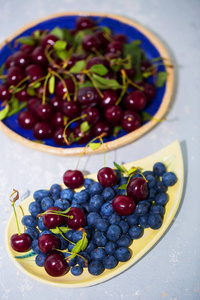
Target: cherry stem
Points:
(13, 205)
(74, 120)
(94, 84)
(135, 85)
(124, 84)
(20, 83)
(48, 56)
(64, 84)
(75, 84)
(61, 233)
(44, 88)
(36, 81)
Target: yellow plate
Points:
(172, 157)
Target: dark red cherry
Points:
(109, 98)
(70, 109)
(34, 71)
(96, 60)
(88, 96)
(39, 57)
(102, 37)
(130, 120)
(52, 220)
(57, 119)
(135, 101)
(114, 47)
(91, 43)
(57, 103)
(26, 120)
(107, 177)
(71, 62)
(130, 72)
(42, 130)
(27, 48)
(138, 189)
(81, 137)
(22, 95)
(149, 91)
(58, 136)
(48, 242)
(15, 75)
(78, 219)
(73, 179)
(49, 39)
(101, 127)
(145, 64)
(44, 111)
(113, 114)
(123, 205)
(21, 59)
(40, 91)
(119, 37)
(21, 242)
(92, 113)
(4, 92)
(33, 103)
(55, 265)
(60, 90)
(84, 23)
(9, 62)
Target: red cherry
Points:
(49, 39)
(26, 120)
(52, 220)
(21, 242)
(48, 242)
(123, 205)
(58, 136)
(130, 120)
(55, 265)
(84, 23)
(73, 179)
(42, 130)
(78, 220)
(101, 127)
(81, 137)
(138, 189)
(107, 177)
(70, 109)
(60, 90)
(4, 92)
(135, 101)
(113, 114)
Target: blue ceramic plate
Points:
(152, 48)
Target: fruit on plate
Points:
(71, 85)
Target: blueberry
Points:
(108, 194)
(67, 194)
(119, 174)
(107, 209)
(91, 246)
(151, 181)
(133, 220)
(34, 247)
(70, 247)
(96, 203)
(101, 224)
(86, 206)
(71, 261)
(98, 254)
(113, 233)
(95, 188)
(121, 192)
(152, 193)
(40, 258)
(115, 187)
(143, 221)
(63, 242)
(74, 204)
(136, 175)
(99, 238)
(95, 267)
(157, 209)
(114, 219)
(160, 187)
(46, 203)
(169, 178)
(142, 208)
(35, 209)
(110, 262)
(123, 180)
(29, 221)
(124, 226)
(110, 247)
(82, 197)
(76, 270)
(124, 241)
(69, 234)
(135, 232)
(159, 169)
(92, 217)
(33, 232)
(146, 173)
(87, 182)
(155, 221)
(41, 224)
(83, 261)
(77, 235)
(161, 199)
(122, 254)
(55, 190)
(45, 232)
(40, 194)
(62, 203)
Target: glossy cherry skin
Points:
(57, 119)
(21, 243)
(130, 121)
(57, 103)
(22, 95)
(44, 111)
(73, 179)
(4, 92)
(26, 120)
(55, 265)
(138, 189)
(15, 75)
(88, 96)
(60, 90)
(9, 62)
(39, 57)
(70, 109)
(78, 220)
(123, 205)
(34, 71)
(101, 127)
(149, 91)
(27, 48)
(72, 61)
(48, 242)
(92, 113)
(114, 47)
(113, 114)
(58, 136)
(135, 101)
(21, 59)
(52, 220)
(107, 177)
(82, 137)
(33, 103)
(145, 64)
(109, 98)
(96, 60)
(49, 40)
(42, 130)
(84, 23)
(119, 37)
(91, 43)
(102, 37)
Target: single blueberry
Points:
(115, 188)
(108, 194)
(41, 224)
(160, 187)
(95, 267)
(29, 221)
(76, 270)
(34, 247)
(91, 246)
(143, 221)
(86, 206)
(70, 247)
(46, 203)
(124, 241)
(122, 254)
(92, 217)
(161, 199)
(45, 232)
(69, 234)
(113, 233)
(98, 254)
(40, 258)
(124, 226)
(55, 190)
(74, 204)
(107, 209)
(155, 221)
(169, 178)
(40, 194)
(33, 232)
(35, 208)
(96, 203)
(110, 262)
(67, 194)
(157, 209)
(110, 247)
(123, 180)
(159, 169)
(101, 224)
(119, 174)
(99, 238)
(95, 188)
(82, 197)
(83, 259)
(152, 193)
(77, 236)
(132, 219)
(71, 261)
(114, 219)
(151, 181)
(87, 182)
(142, 208)
(63, 242)
(146, 173)
(121, 192)
(135, 232)
(62, 203)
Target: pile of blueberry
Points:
(87, 72)
(93, 228)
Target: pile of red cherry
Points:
(87, 73)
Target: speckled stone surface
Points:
(171, 269)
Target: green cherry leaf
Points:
(161, 79)
(84, 126)
(78, 67)
(26, 40)
(132, 170)
(4, 112)
(36, 85)
(116, 130)
(30, 91)
(67, 35)
(84, 84)
(104, 83)
(36, 34)
(62, 54)
(57, 230)
(16, 108)
(52, 84)
(122, 187)
(119, 167)
(60, 45)
(94, 146)
(106, 30)
(58, 32)
(99, 69)
(2, 68)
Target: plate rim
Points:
(127, 265)
(119, 142)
